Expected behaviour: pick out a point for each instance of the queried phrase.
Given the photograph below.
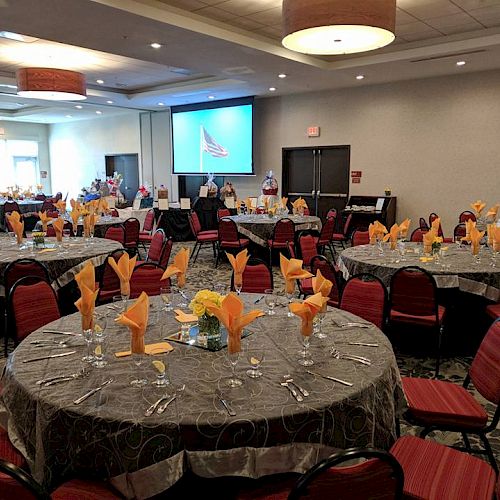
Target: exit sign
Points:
(313, 131)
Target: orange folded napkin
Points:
(17, 225)
(86, 276)
(307, 310)
(183, 317)
(496, 238)
(426, 259)
(85, 280)
(322, 285)
(478, 206)
(436, 224)
(379, 229)
(429, 239)
(475, 240)
(266, 203)
(230, 314)
(404, 227)
(392, 236)
(75, 215)
(469, 224)
(284, 202)
(58, 225)
(179, 267)
(292, 270)
(86, 226)
(135, 318)
(75, 205)
(238, 264)
(44, 219)
(299, 203)
(46, 250)
(123, 269)
(61, 205)
(493, 211)
(372, 233)
(489, 231)
(103, 206)
(248, 203)
(158, 348)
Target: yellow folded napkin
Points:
(475, 240)
(75, 215)
(299, 203)
(123, 269)
(469, 224)
(496, 239)
(436, 224)
(392, 236)
(478, 206)
(17, 225)
(158, 348)
(404, 227)
(238, 264)
(426, 259)
(493, 211)
(61, 205)
(179, 267)
(45, 250)
(322, 285)
(183, 317)
(58, 225)
(284, 202)
(135, 318)
(230, 314)
(306, 311)
(44, 219)
(292, 270)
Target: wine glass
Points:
(166, 297)
(318, 330)
(118, 303)
(270, 300)
(289, 298)
(234, 381)
(160, 364)
(100, 323)
(184, 298)
(88, 337)
(238, 287)
(125, 298)
(255, 358)
(139, 381)
(305, 360)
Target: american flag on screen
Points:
(211, 146)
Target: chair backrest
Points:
(23, 267)
(149, 221)
(422, 224)
(194, 223)
(347, 224)
(47, 206)
(114, 212)
(228, 230)
(257, 277)
(58, 196)
(223, 212)
(307, 211)
(365, 296)
(132, 229)
(327, 231)
(465, 216)
(380, 476)
(40, 197)
(418, 235)
(15, 482)
(51, 232)
(432, 217)
(27, 295)
(146, 277)
(485, 369)
(11, 206)
(284, 230)
(460, 231)
(167, 250)
(156, 247)
(413, 291)
(115, 232)
(360, 238)
(332, 213)
(109, 281)
(54, 214)
(308, 248)
(328, 271)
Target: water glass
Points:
(318, 325)
(100, 323)
(270, 300)
(166, 297)
(289, 298)
(139, 381)
(255, 358)
(160, 364)
(306, 359)
(234, 381)
(12, 238)
(118, 303)
(88, 337)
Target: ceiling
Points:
(221, 49)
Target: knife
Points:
(59, 332)
(363, 344)
(329, 377)
(259, 299)
(228, 408)
(91, 392)
(49, 357)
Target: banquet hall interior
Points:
(249, 249)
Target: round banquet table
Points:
(259, 227)
(100, 228)
(62, 267)
(455, 270)
(25, 207)
(109, 435)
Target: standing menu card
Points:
(185, 203)
(163, 203)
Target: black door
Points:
(319, 175)
(128, 166)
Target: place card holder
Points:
(229, 202)
(137, 204)
(163, 203)
(203, 192)
(185, 203)
(111, 200)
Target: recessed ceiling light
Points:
(461, 63)
(272, 89)
(110, 102)
(282, 75)
(100, 82)
(360, 77)
(69, 116)
(78, 106)
(211, 97)
(98, 112)
(156, 45)
(161, 104)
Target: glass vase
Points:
(209, 328)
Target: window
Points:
(19, 164)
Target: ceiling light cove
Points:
(100, 82)
(161, 104)
(211, 97)
(360, 77)
(461, 63)
(110, 102)
(332, 27)
(156, 45)
(282, 75)
(272, 89)
(98, 112)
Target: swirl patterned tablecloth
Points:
(100, 228)
(259, 228)
(109, 435)
(455, 270)
(62, 267)
(25, 207)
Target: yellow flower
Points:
(197, 308)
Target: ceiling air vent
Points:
(238, 70)
(447, 56)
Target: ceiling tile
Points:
(417, 27)
(215, 13)
(423, 35)
(245, 7)
(426, 9)
(475, 4)
(246, 23)
(462, 28)
(269, 17)
(453, 20)
(185, 4)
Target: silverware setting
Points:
(293, 391)
(62, 379)
(289, 380)
(49, 356)
(49, 343)
(92, 392)
(225, 403)
(329, 377)
(164, 406)
(351, 324)
(44, 381)
(155, 405)
(259, 299)
(365, 344)
(60, 332)
(350, 357)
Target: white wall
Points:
(77, 149)
(435, 142)
(31, 132)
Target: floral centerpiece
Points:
(207, 322)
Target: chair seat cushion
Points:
(8, 452)
(436, 472)
(306, 285)
(145, 238)
(434, 402)
(277, 244)
(493, 311)
(207, 236)
(78, 489)
(107, 295)
(243, 242)
(338, 237)
(399, 317)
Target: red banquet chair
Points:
(223, 212)
(307, 247)
(282, 238)
(257, 277)
(11, 206)
(146, 234)
(48, 206)
(156, 247)
(360, 238)
(365, 296)
(332, 213)
(459, 232)
(342, 237)
(109, 283)
(229, 239)
(329, 271)
(132, 228)
(115, 232)
(114, 212)
(202, 237)
(413, 301)
(51, 232)
(446, 406)
(417, 236)
(422, 224)
(465, 216)
(166, 252)
(9, 225)
(146, 277)
(493, 311)
(325, 238)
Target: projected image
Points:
(217, 140)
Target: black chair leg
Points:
(270, 257)
(195, 254)
(398, 428)
(218, 256)
(213, 248)
(194, 251)
(438, 353)
(489, 452)
(466, 442)
(425, 431)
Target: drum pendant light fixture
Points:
(51, 83)
(332, 27)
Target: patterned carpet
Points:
(203, 274)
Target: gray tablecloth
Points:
(25, 206)
(109, 435)
(455, 270)
(100, 228)
(259, 228)
(62, 267)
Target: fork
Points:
(288, 378)
(351, 357)
(295, 394)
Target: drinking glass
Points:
(12, 238)
(270, 300)
(255, 358)
(289, 298)
(401, 250)
(318, 325)
(234, 381)
(139, 381)
(125, 298)
(166, 297)
(88, 337)
(161, 374)
(118, 303)
(238, 287)
(100, 324)
(305, 360)
(183, 298)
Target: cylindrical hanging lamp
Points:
(51, 83)
(332, 27)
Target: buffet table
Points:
(109, 435)
(259, 228)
